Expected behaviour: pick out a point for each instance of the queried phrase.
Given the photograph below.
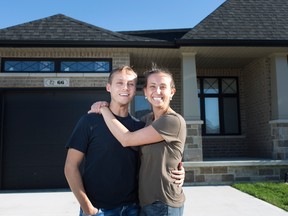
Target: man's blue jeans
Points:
(126, 210)
(161, 209)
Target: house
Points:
(231, 74)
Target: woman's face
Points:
(158, 90)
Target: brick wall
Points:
(176, 102)
(227, 146)
(258, 107)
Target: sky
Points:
(114, 15)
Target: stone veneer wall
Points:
(279, 133)
(193, 146)
(229, 172)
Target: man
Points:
(109, 184)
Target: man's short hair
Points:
(124, 68)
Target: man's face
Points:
(122, 87)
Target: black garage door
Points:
(35, 125)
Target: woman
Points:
(162, 145)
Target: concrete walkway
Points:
(200, 201)
(226, 201)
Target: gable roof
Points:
(253, 20)
(63, 29)
(235, 22)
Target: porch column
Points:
(190, 106)
(190, 95)
(279, 101)
(279, 87)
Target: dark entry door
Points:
(36, 125)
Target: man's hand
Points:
(95, 108)
(179, 175)
(93, 211)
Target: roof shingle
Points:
(62, 28)
(244, 20)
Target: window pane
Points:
(211, 86)
(28, 66)
(68, 66)
(46, 66)
(142, 106)
(199, 105)
(198, 86)
(229, 86)
(85, 66)
(231, 125)
(102, 66)
(12, 66)
(212, 116)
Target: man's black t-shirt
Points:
(110, 174)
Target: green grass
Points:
(273, 193)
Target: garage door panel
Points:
(31, 155)
(37, 125)
(33, 177)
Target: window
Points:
(85, 66)
(29, 66)
(219, 106)
(140, 106)
(56, 65)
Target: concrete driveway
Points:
(200, 201)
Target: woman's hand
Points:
(95, 108)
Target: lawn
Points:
(271, 192)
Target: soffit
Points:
(230, 57)
(139, 57)
(206, 57)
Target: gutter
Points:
(224, 42)
(143, 44)
(99, 44)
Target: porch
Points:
(235, 161)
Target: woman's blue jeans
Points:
(161, 209)
(126, 210)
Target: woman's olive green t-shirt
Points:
(158, 159)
